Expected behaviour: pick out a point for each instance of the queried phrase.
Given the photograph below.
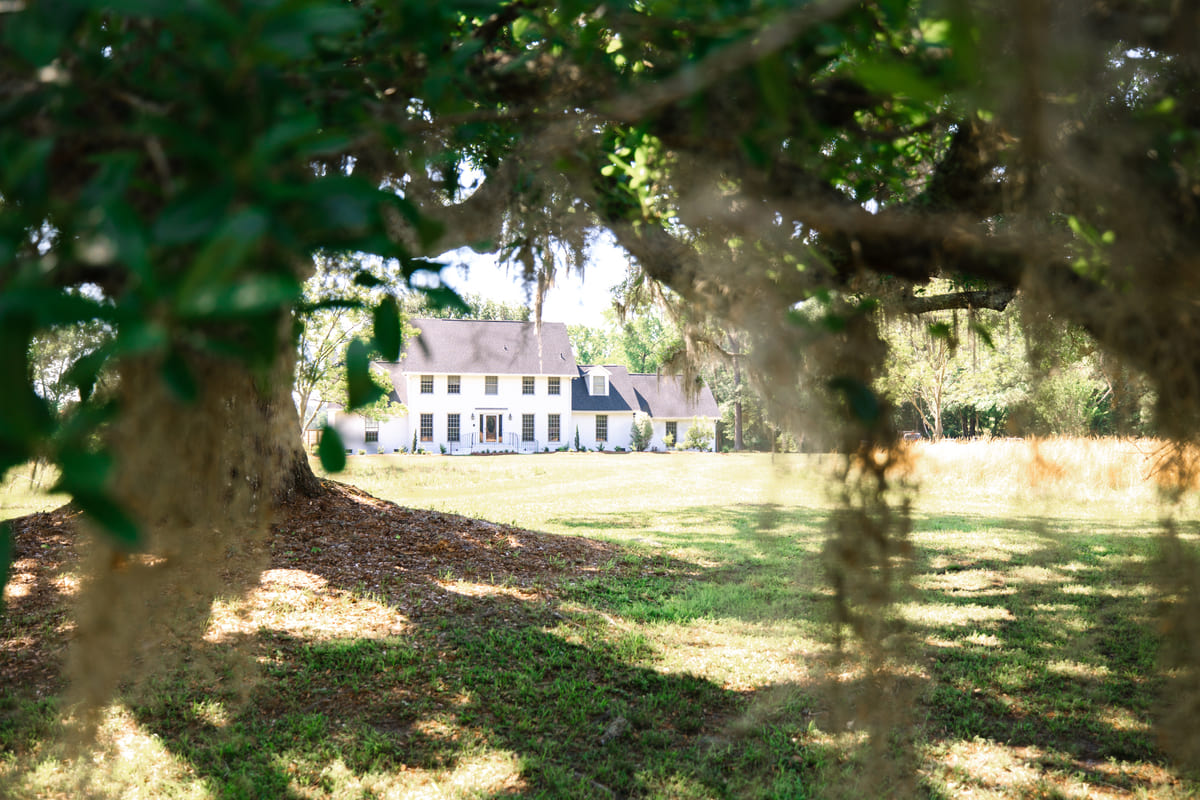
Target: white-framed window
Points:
(452, 427)
(602, 427)
(673, 431)
(453, 384)
(599, 385)
(527, 427)
(554, 427)
(554, 386)
(527, 384)
(371, 430)
(491, 385)
(427, 427)
(426, 384)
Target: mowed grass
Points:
(694, 665)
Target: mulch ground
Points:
(351, 540)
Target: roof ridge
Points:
(511, 321)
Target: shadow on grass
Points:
(1031, 633)
(1040, 633)
(581, 719)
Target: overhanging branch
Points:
(996, 299)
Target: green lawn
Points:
(696, 664)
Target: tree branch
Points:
(996, 299)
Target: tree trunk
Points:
(281, 418)
(297, 477)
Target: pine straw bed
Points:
(343, 541)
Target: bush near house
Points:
(640, 435)
(699, 436)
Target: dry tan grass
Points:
(1082, 470)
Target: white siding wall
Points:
(508, 401)
(620, 429)
(397, 433)
(682, 425)
(393, 433)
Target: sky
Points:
(572, 299)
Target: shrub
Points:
(669, 441)
(641, 434)
(442, 447)
(619, 449)
(699, 436)
(414, 447)
(577, 447)
(362, 452)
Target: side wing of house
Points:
(362, 435)
(603, 407)
(673, 410)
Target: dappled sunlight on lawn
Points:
(127, 762)
(684, 645)
(303, 604)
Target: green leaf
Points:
(38, 34)
(83, 373)
(361, 389)
(940, 330)
(774, 83)
(863, 403)
(983, 333)
(387, 328)
(331, 450)
(84, 471)
(443, 297)
(520, 27)
(225, 254)
(111, 518)
(366, 279)
(293, 32)
(193, 216)
(25, 171)
(178, 377)
(254, 295)
(23, 414)
(898, 78)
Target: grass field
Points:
(695, 664)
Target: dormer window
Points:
(599, 385)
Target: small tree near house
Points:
(642, 432)
(699, 435)
(577, 447)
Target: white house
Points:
(473, 386)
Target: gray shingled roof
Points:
(663, 397)
(620, 397)
(399, 385)
(466, 346)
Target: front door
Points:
(491, 427)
